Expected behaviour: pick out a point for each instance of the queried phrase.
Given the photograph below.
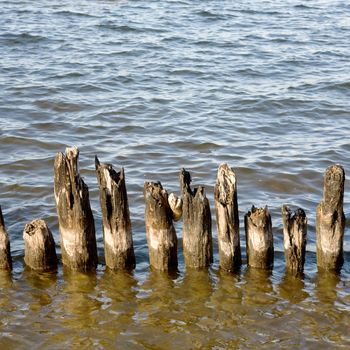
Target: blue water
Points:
(155, 86)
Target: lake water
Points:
(155, 86)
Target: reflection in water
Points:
(5, 280)
(326, 286)
(118, 295)
(39, 280)
(258, 288)
(77, 309)
(292, 287)
(40, 284)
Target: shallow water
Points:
(155, 86)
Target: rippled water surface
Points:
(155, 86)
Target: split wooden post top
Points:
(117, 233)
(5, 252)
(294, 236)
(76, 222)
(227, 218)
(330, 220)
(160, 231)
(197, 236)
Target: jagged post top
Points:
(226, 181)
(67, 165)
(2, 223)
(117, 177)
(185, 185)
(333, 190)
(299, 215)
(185, 181)
(154, 189)
(255, 215)
(31, 227)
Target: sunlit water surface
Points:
(155, 86)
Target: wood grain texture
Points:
(160, 231)
(117, 233)
(197, 235)
(227, 219)
(330, 220)
(76, 222)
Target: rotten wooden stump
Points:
(330, 220)
(227, 219)
(295, 235)
(39, 252)
(197, 236)
(161, 235)
(259, 239)
(117, 234)
(77, 227)
(5, 252)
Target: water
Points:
(155, 86)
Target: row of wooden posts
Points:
(77, 228)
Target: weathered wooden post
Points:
(330, 220)
(197, 237)
(176, 206)
(77, 227)
(294, 235)
(117, 234)
(161, 235)
(39, 252)
(259, 239)
(227, 219)
(5, 252)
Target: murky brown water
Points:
(155, 86)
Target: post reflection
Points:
(292, 287)
(5, 279)
(258, 288)
(326, 286)
(79, 305)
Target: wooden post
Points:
(330, 220)
(259, 239)
(227, 219)
(117, 234)
(5, 252)
(197, 237)
(175, 206)
(40, 253)
(77, 227)
(161, 235)
(294, 234)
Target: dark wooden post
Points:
(117, 234)
(227, 219)
(259, 239)
(330, 220)
(40, 253)
(5, 252)
(161, 235)
(77, 227)
(197, 237)
(294, 234)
